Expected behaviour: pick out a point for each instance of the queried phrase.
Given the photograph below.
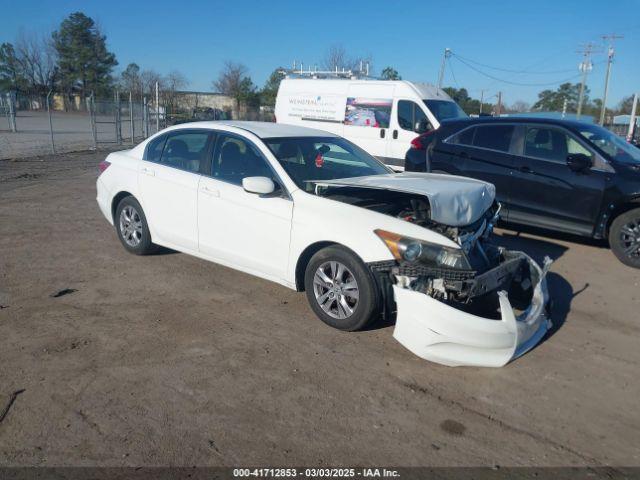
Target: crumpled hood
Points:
(454, 201)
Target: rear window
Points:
(465, 137)
(444, 109)
(494, 137)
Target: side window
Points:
(546, 143)
(573, 146)
(154, 149)
(494, 137)
(236, 159)
(464, 137)
(185, 151)
(411, 117)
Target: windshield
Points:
(614, 146)
(306, 159)
(444, 109)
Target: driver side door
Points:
(244, 230)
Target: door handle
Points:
(382, 133)
(525, 169)
(395, 134)
(148, 171)
(464, 155)
(209, 191)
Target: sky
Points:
(538, 37)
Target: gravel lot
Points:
(170, 360)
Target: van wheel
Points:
(132, 228)
(624, 238)
(341, 289)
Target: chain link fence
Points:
(35, 125)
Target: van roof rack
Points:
(360, 74)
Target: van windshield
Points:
(306, 159)
(444, 109)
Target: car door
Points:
(408, 121)
(546, 192)
(242, 229)
(367, 117)
(168, 180)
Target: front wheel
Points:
(624, 238)
(341, 289)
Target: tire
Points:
(347, 291)
(133, 230)
(624, 237)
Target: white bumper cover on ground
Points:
(441, 333)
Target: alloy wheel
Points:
(336, 290)
(131, 226)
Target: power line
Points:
(452, 73)
(492, 77)
(513, 71)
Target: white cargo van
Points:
(380, 116)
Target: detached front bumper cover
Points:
(438, 332)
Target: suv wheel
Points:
(624, 238)
(341, 289)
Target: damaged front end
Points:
(478, 305)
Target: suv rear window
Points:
(494, 137)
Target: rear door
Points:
(168, 181)
(485, 152)
(367, 117)
(546, 192)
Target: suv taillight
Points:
(103, 165)
(421, 142)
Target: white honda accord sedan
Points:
(314, 212)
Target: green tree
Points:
(553, 100)
(390, 73)
(269, 92)
(84, 61)
(466, 103)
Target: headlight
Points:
(411, 250)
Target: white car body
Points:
(268, 237)
(326, 104)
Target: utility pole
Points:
(632, 119)
(481, 100)
(564, 108)
(611, 38)
(584, 67)
(499, 106)
(447, 54)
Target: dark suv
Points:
(561, 175)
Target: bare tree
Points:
(173, 83)
(37, 58)
(337, 57)
(148, 79)
(520, 107)
(235, 82)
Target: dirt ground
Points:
(171, 360)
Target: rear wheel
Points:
(624, 238)
(341, 289)
(132, 228)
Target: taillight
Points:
(421, 142)
(103, 165)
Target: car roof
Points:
(261, 129)
(573, 124)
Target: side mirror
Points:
(258, 185)
(579, 162)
